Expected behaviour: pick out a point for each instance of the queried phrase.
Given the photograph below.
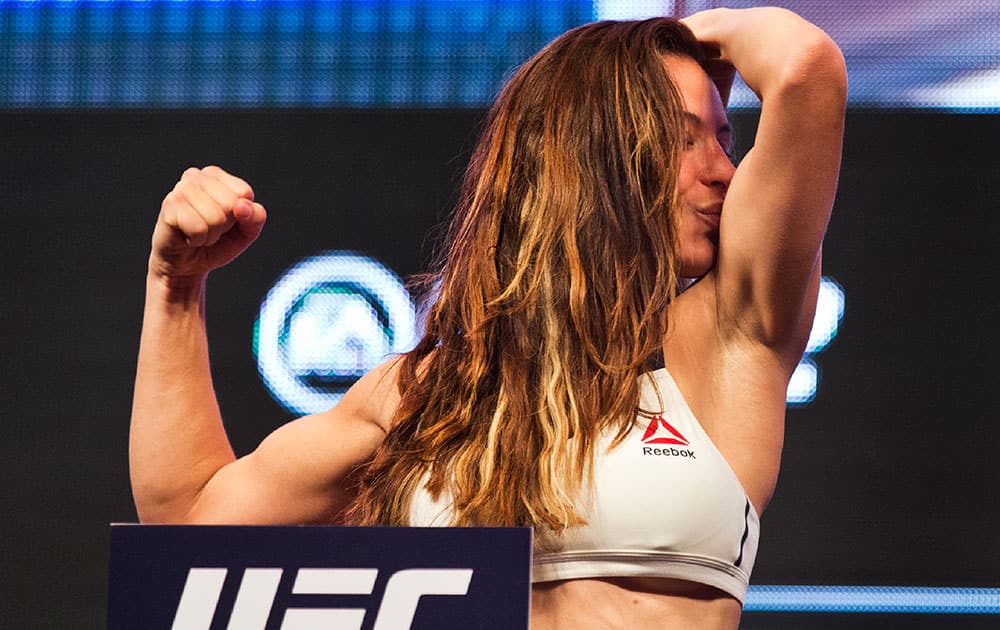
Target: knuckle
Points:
(216, 217)
(172, 201)
(177, 191)
(196, 229)
(245, 189)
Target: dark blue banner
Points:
(298, 578)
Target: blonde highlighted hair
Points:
(553, 285)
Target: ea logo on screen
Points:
(325, 323)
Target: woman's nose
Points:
(719, 168)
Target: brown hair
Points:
(552, 288)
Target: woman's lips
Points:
(711, 216)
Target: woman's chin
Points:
(694, 268)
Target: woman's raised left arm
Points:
(778, 203)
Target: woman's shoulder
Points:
(375, 396)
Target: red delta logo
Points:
(659, 431)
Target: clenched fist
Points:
(207, 220)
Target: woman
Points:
(563, 382)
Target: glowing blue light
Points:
(829, 311)
(803, 384)
(872, 599)
(325, 323)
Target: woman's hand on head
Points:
(207, 220)
(704, 25)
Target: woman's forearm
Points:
(773, 49)
(177, 441)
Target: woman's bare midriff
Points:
(633, 604)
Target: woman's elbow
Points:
(816, 66)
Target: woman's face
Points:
(705, 167)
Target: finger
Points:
(251, 217)
(168, 210)
(216, 212)
(220, 193)
(191, 224)
(224, 201)
(167, 234)
(705, 24)
(237, 185)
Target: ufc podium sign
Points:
(318, 578)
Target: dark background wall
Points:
(889, 477)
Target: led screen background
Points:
(889, 476)
(430, 53)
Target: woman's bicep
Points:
(301, 472)
(296, 475)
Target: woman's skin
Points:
(752, 234)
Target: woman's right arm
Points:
(182, 466)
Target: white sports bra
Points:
(665, 503)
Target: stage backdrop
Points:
(889, 474)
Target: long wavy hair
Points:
(552, 287)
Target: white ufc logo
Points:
(255, 597)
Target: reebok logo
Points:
(660, 431)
